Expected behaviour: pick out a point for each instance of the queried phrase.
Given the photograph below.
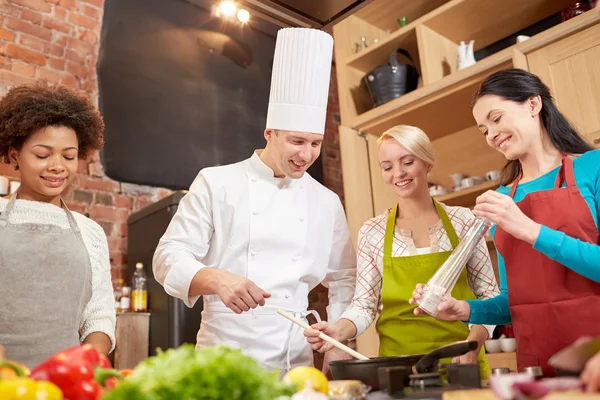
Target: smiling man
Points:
(259, 235)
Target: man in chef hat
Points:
(257, 236)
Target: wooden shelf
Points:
(486, 22)
(439, 109)
(384, 14)
(467, 196)
(378, 54)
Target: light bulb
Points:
(227, 8)
(243, 16)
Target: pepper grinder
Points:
(442, 282)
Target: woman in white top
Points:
(56, 289)
(406, 245)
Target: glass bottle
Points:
(140, 290)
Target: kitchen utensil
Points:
(573, 358)
(465, 55)
(508, 345)
(493, 175)
(536, 372)
(457, 178)
(471, 181)
(323, 336)
(493, 346)
(367, 371)
(389, 81)
(500, 371)
(444, 279)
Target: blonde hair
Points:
(413, 139)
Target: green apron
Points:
(400, 331)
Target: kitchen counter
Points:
(487, 394)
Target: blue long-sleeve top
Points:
(579, 256)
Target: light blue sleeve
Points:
(492, 311)
(579, 256)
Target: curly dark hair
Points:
(27, 108)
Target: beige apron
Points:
(45, 284)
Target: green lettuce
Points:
(212, 373)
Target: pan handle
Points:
(427, 362)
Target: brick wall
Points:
(58, 40)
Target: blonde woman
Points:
(404, 246)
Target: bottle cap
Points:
(139, 265)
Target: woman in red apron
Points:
(406, 245)
(546, 216)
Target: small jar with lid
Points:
(574, 10)
(126, 299)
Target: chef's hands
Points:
(449, 310)
(504, 212)
(342, 331)
(479, 334)
(318, 344)
(590, 376)
(238, 293)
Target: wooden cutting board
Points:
(487, 394)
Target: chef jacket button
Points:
(253, 253)
(295, 259)
(287, 296)
(301, 219)
(254, 212)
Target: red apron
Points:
(550, 305)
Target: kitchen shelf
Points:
(440, 108)
(467, 196)
(486, 22)
(384, 14)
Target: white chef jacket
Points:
(286, 235)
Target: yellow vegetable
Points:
(27, 389)
(299, 376)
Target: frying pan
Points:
(367, 370)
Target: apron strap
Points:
(513, 188)
(301, 315)
(388, 239)
(391, 222)
(565, 174)
(450, 231)
(4, 216)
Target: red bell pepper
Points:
(80, 372)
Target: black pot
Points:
(367, 372)
(389, 81)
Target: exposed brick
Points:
(91, 12)
(23, 68)
(32, 16)
(76, 69)
(122, 201)
(105, 213)
(31, 42)
(40, 5)
(69, 80)
(80, 46)
(60, 12)
(119, 258)
(95, 169)
(5, 63)
(56, 63)
(83, 196)
(97, 3)
(107, 226)
(9, 9)
(49, 75)
(57, 24)
(99, 184)
(88, 37)
(54, 50)
(77, 207)
(77, 58)
(117, 245)
(70, 4)
(30, 29)
(104, 198)
(61, 40)
(7, 35)
(81, 20)
(121, 230)
(15, 51)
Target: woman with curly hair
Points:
(54, 265)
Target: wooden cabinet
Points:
(571, 68)
(565, 56)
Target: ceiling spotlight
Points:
(227, 8)
(243, 16)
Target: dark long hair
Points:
(519, 85)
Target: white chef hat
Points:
(300, 80)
